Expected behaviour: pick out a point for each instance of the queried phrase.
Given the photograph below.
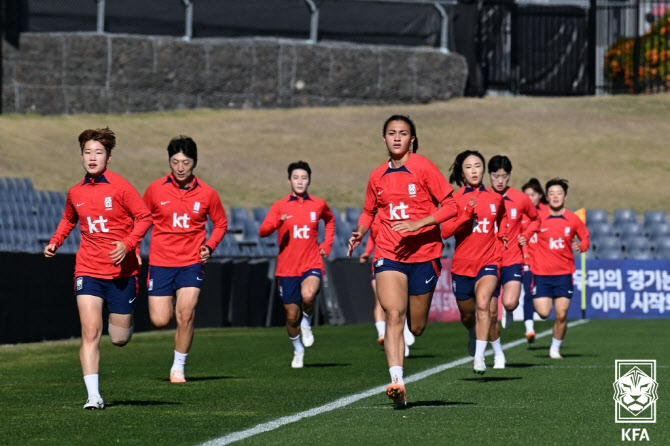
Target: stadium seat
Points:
(609, 253)
(259, 214)
(635, 241)
(606, 243)
(600, 228)
(658, 230)
(627, 229)
(661, 243)
(352, 214)
(596, 215)
(625, 215)
(662, 253)
(238, 215)
(654, 217)
(640, 254)
(336, 214)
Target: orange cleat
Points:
(396, 392)
(530, 337)
(177, 376)
(380, 341)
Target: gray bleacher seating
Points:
(662, 252)
(606, 243)
(658, 230)
(628, 228)
(352, 214)
(600, 228)
(637, 247)
(624, 215)
(336, 214)
(654, 217)
(609, 253)
(596, 215)
(259, 214)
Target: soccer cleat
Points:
(479, 366)
(499, 362)
(408, 336)
(307, 336)
(396, 392)
(472, 343)
(406, 351)
(298, 358)
(94, 403)
(177, 376)
(507, 318)
(530, 337)
(380, 340)
(554, 353)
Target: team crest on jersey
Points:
(312, 216)
(567, 231)
(380, 262)
(513, 213)
(108, 203)
(196, 207)
(80, 283)
(151, 285)
(411, 189)
(493, 208)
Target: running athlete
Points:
(378, 312)
(180, 203)
(517, 206)
(404, 194)
(299, 264)
(113, 220)
(554, 262)
(481, 235)
(534, 191)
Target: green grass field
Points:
(240, 378)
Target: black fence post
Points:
(591, 62)
(636, 50)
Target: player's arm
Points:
(220, 225)
(329, 219)
(533, 223)
(502, 222)
(582, 234)
(365, 220)
(142, 221)
(65, 226)
(463, 219)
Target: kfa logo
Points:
(556, 244)
(196, 207)
(108, 203)
(411, 190)
(635, 391)
(301, 233)
(312, 216)
(180, 222)
(92, 225)
(513, 214)
(393, 211)
(566, 231)
(481, 226)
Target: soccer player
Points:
(299, 264)
(517, 206)
(404, 194)
(180, 203)
(480, 231)
(378, 312)
(113, 220)
(533, 189)
(554, 262)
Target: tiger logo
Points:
(635, 391)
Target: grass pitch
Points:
(239, 378)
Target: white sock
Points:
(179, 361)
(297, 344)
(530, 325)
(556, 343)
(381, 328)
(306, 320)
(91, 382)
(480, 348)
(396, 371)
(405, 330)
(497, 347)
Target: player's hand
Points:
(522, 240)
(119, 253)
(139, 258)
(363, 258)
(205, 253)
(50, 250)
(323, 252)
(504, 240)
(283, 217)
(354, 241)
(407, 226)
(473, 202)
(576, 246)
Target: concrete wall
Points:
(53, 73)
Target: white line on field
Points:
(342, 402)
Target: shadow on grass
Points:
(519, 365)
(569, 355)
(413, 356)
(435, 403)
(141, 403)
(326, 364)
(492, 379)
(203, 378)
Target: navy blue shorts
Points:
(165, 280)
(421, 276)
(464, 286)
(288, 288)
(553, 286)
(119, 294)
(509, 273)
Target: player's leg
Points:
(528, 309)
(561, 305)
(161, 310)
(288, 289)
(160, 287)
(467, 311)
(378, 314)
(309, 288)
(494, 336)
(90, 316)
(187, 299)
(484, 288)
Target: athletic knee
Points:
(394, 317)
(90, 335)
(418, 331)
(159, 321)
(120, 336)
(543, 313)
(185, 317)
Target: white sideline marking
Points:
(342, 402)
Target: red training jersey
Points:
(476, 230)
(531, 243)
(553, 255)
(108, 209)
(180, 217)
(518, 206)
(297, 234)
(410, 192)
